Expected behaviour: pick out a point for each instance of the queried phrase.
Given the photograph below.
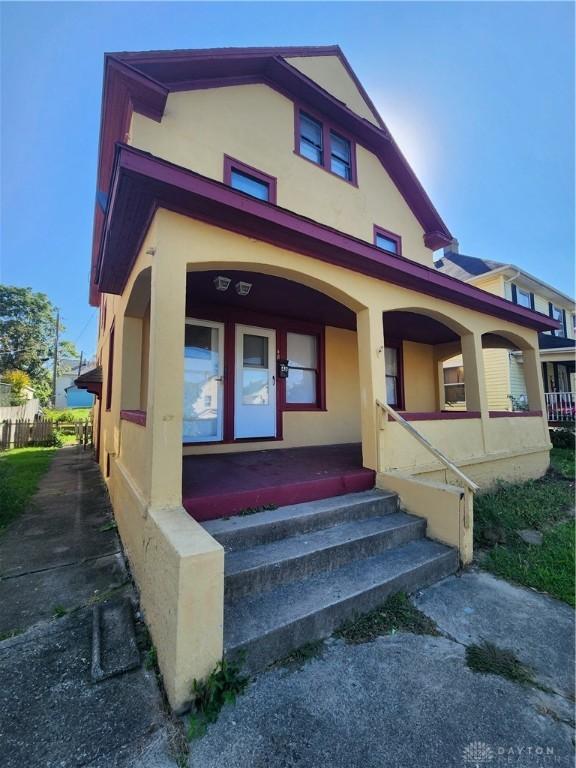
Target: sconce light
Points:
(222, 283)
(243, 289)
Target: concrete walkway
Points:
(61, 554)
(411, 701)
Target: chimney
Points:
(452, 248)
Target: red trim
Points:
(110, 372)
(327, 128)
(231, 163)
(398, 345)
(136, 417)
(141, 82)
(512, 414)
(143, 182)
(438, 415)
(391, 235)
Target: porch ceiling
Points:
(270, 295)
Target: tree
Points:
(27, 331)
(18, 381)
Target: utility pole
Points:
(55, 371)
(80, 364)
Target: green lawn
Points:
(542, 505)
(20, 473)
(68, 414)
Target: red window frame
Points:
(319, 334)
(391, 236)
(109, 377)
(327, 127)
(231, 164)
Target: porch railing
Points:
(560, 406)
(388, 410)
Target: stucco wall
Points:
(419, 376)
(255, 124)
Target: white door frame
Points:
(254, 420)
(218, 437)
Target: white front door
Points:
(203, 388)
(255, 395)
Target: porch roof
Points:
(142, 182)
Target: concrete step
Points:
(262, 628)
(264, 567)
(243, 532)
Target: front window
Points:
(387, 241)
(392, 364)
(302, 381)
(523, 298)
(311, 142)
(340, 156)
(250, 185)
(454, 390)
(558, 314)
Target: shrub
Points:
(562, 438)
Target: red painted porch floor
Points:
(217, 485)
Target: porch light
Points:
(222, 283)
(243, 289)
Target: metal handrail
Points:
(428, 445)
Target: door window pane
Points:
(201, 386)
(255, 387)
(391, 397)
(250, 185)
(255, 351)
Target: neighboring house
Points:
(506, 385)
(262, 260)
(68, 395)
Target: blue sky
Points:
(480, 96)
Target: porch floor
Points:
(216, 485)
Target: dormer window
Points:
(387, 241)
(325, 146)
(249, 180)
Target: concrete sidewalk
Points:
(63, 555)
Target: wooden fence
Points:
(22, 433)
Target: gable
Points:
(330, 73)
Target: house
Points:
(68, 395)
(506, 385)
(272, 332)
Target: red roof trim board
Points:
(142, 183)
(141, 82)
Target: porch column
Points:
(372, 374)
(166, 382)
(533, 380)
(474, 380)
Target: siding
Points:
(497, 374)
(517, 382)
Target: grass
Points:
(396, 614)
(542, 505)
(562, 462)
(68, 414)
(488, 659)
(222, 686)
(20, 472)
(301, 655)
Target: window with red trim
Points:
(325, 146)
(387, 241)
(303, 382)
(249, 180)
(110, 370)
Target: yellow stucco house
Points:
(272, 333)
(504, 368)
